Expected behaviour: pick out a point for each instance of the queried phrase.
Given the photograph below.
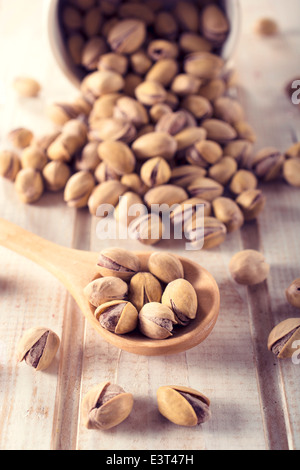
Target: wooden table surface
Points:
(254, 397)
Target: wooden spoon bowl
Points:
(75, 269)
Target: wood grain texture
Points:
(254, 397)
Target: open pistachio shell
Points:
(181, 298)
(41, 353)
(121, 317)
(283, 336)
(156, 321)
(118, 262)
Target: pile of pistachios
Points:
(154, 122)
(125, 298)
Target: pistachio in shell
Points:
(105, 289)
(249, 267)
(165, 266)
(228, 212)
(252, 203)
(9, 164)
(38, 347)
(181, 297)
(210, 234)
(293, 293)
(283, 336)
(156, 321)
(118, 262)
(118, 316)
(144, 288)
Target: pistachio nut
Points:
(187, 15)
(205, 188)
(219, 131)
(184, 175)
(282, 338)
(267, 163)
(155, 144)
(163, 71)
(293, 151)
(184, 212)
(227, 211)
(64, 147)
(71, 18)
(143, 289)
(112, 129)
(140, 62)
(241, 151)
(165, 266)
(185, 84)
(204, 153)
(78, 189)
(183, 406)
(114, 62)
(21, 137)
(92, 21)
(33, 157)
(56, 175)
(60, 113)
(38, 347)
(266, 27)
(166, 25)
(75, 44)
(156, 321)
(88, 158)
(213, 89)
(108, 192)
(175, 122)
(199, 106)
(291, 171)
(150, 93)
(105, 289)
(118, 155)
(228, 109)
(215, 25)
(252, 203)
(103, 107)
(131, 110)
(245, 131)
(162, 49)
(45, 141)
(105, 406)
(188, 137)
(224, 170)
(129, 208)
(148, 229)
(134, 183)
(204, 65)
(29, 185)
(209, 234)
(104, 172)
(118, 316)
(27, 87)
(93, 49)
(165, 194)
(9, 164)
(101, 82)
(243, 180)
(293, 293)
(118, 262)
(180, 296)
(127, 36)
(249, 267)
(193, 42)
(155, 171)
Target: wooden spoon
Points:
(75, 269)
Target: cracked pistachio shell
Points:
(214, 23)
(184, 175)
(188, 137)
(210, 233)
(112, 129)
(249, 267)
(291, 172)
(174, 405)
(192, 42)
(144, 288)
(228, 109)
(155, 144)
(104, 172)
(78, 189)
(165, 266)
(129, 208)
(163, 71)
(199, 106)
(184, 212)
(127, 36)
(219, 131)
(92, 51)
(155, 171)
(105, 406)
(282, 337)
(252, 203)
(27, 87)
(105, 289)
(213, 89)
(156, 321)
(131, 110)
(228, 212)
(101, 82)
(204, 65)
(56, 175)
(106, 193)
(166, 194)
(245, 131)
(172, 122)
(118, 156)
(162, 49)
(241, 151)
(243, 180)
(224, 170)
(88, 158)
(20, 137)
(150, 93)
(118, 316)
(205, 188)
(9, 164)
(38, 347)
(147, 229)
(267, 163)
(114, 62)
(204, 153)
(103, 107)
(180, 296)
(118, 262)
(29, 185)
(293, 293)
(60, 113)
(33, 157)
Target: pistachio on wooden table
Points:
(38, 347)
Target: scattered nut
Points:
(249, 267)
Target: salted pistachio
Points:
(71, 18)
(245, 131)
(60, 113)
(114, 62)
(78, 189)
(21, 137)
(282, 338)
(38, 347)
(147, 229)
(293, 151)
(291, 171)
(241, 151)
(181, 297)
(100, 83)
(118, 316)
(9, 164)
(163, 71)
(205, 188)
(224, 170)
(131, 110)
(144, 288)
(103, 107)
(183, 213)
(204, 153)
(112, 129)
(229, 213)
(199, 106)
(208, 234)
(215, 25)
(140, 11)
(165, 196)
(185, 84)
(183, 406)
(140, 62)
(293, 293)
(155, 172)
(249, 267)
(228, 109)
(64, 147)
(162, 49)
(92, 51)
(118, 262)
(165, 266)
(105, 406)
(156, 321)
(174, 122)
(204, 65)
(127, 36)
(56, 175)
(166, 25)
(187, 15)
(104, 172)
(243, 180)
(130, 207)
(185, 175)
(92, 21)
(134, 183)
(193, 42)
(88, 158)
(188, 137)
(106, 193)
(29, 185)
(219, 131)
(118, 156)
(27, 87)
(267, 163)
(150, 93)
(252, 203)
(75, 44)
(33, 157)
(105, 289)
(155, 144)
(266, 27)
